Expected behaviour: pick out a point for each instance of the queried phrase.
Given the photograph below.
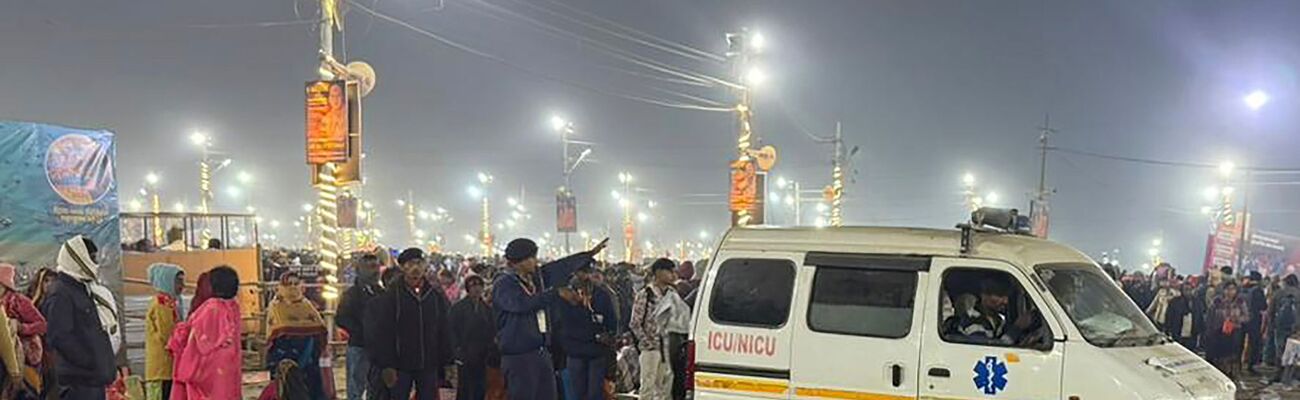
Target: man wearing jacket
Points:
(1257, 302)
(589, 325)
(651, 333)
(473, 340)
(77, 336)
(351, 317)
(520, 297)
(1283, 318)
(407, 336)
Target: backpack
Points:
(1285, 316)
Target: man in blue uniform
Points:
(520, 297)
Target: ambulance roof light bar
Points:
(992, 219)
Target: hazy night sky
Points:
(928, 89)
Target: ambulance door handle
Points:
(940, 373)
(897, 370)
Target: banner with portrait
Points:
(327, 122)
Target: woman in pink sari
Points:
(206, 346)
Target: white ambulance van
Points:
(902, 313)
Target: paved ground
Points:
(1256, 387)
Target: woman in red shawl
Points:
(202, 292)
(206, 347)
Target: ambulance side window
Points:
(863, 302)
(752, 292)
(990, 308)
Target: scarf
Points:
(74, 260)
(202, 292)
(162, 277)
(290, 314)
(1160, 307)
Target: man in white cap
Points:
(83, 324)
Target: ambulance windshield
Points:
(1105, 316)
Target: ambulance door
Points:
(986, 336)
(856, 332)
(742, 331)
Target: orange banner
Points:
(327, 122)
(744, 186)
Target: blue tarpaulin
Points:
(55, 183)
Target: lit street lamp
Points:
(1256, 99)
(624, 202)
(485, 226)
(743, 49)
(567, 163)
(155, 205)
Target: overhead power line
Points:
(1167, 163)
(689, 97)
(640, 74)
(662, 45)
(503, 15)
(612, 50)
(504, 62)
(267, 24)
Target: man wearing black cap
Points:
(406, 331)
(520, 297)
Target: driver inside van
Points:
(986, 321)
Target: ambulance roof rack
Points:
(992, 220)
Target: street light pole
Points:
(742, 47)
(564, 145)
(205, 183)
(837, 180)
(1244, 229)
(629, 229)
(408, 206)
(485, 227)
(155, 204)
(798, 205)
(569, 163)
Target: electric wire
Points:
(693, 54)
(612, 50)
(684, 47)
(640, 74)
(1166, 163)
(504, 62)
(689, 82)
(689, 97)
(266, 24)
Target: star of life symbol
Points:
(990, 375)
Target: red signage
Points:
(1039, 215)
(742, 343)
(327, 122)
(566, 212)
(1224, 243)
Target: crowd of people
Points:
(1239, 322)
(62, 336)
(573, 328)
(417, 323)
